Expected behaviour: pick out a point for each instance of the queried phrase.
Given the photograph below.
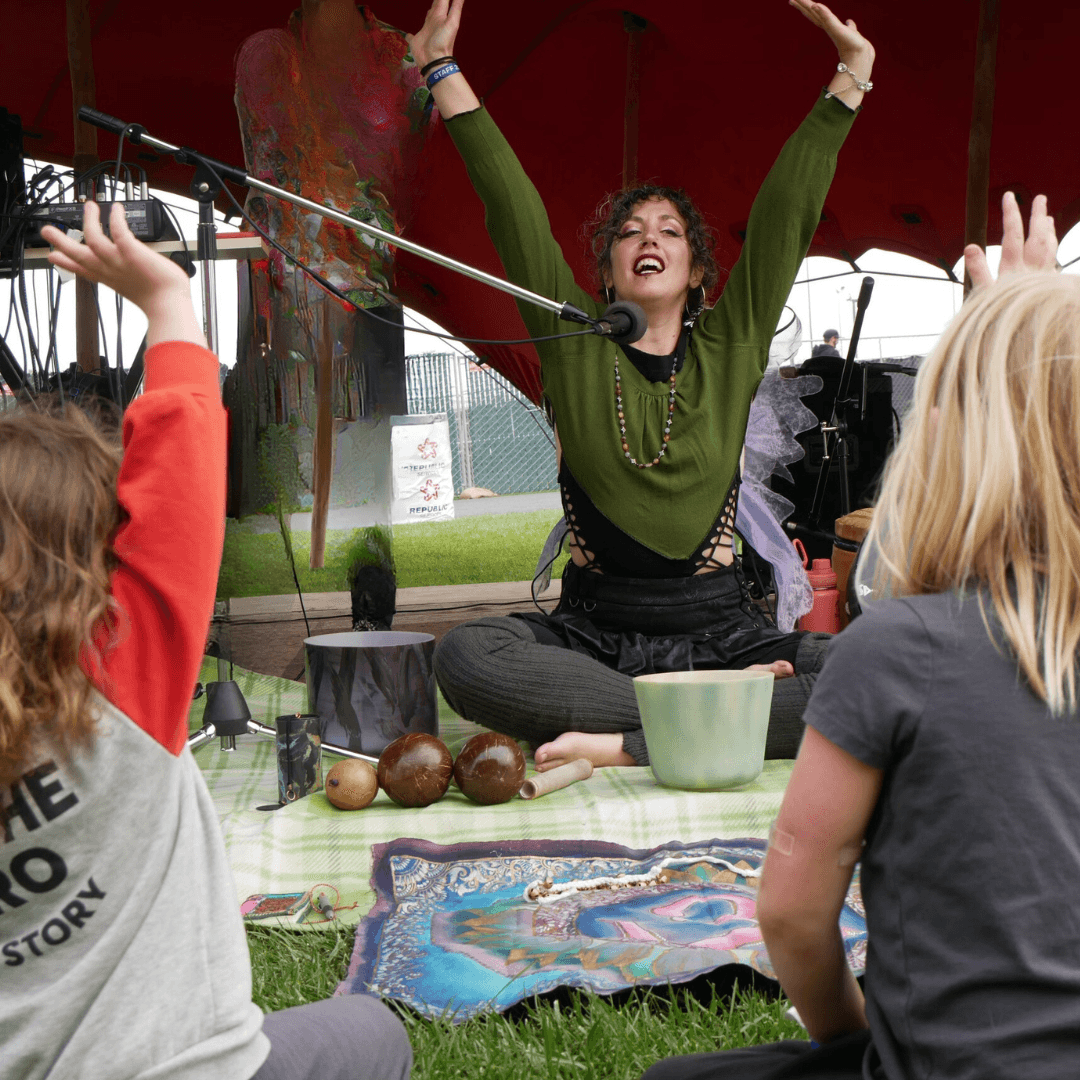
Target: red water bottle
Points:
(824, 616)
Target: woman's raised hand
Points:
(436, 37)
(1037, 252)
(850, 44)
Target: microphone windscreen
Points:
(627, 320)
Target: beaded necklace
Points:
(676, 359)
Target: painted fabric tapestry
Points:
(466, 928)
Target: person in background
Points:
(827, 345)
(122, 948)
(942, 745)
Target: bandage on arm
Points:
(784, 844)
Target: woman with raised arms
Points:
(649, 436)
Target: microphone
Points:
(624, 322)
(109, 123)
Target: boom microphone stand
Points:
(211, 169)
(622, 321)
(835, 431)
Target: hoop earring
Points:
(609, 295)
(695, 303)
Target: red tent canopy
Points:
(721, 85)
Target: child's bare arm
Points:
(155, 284)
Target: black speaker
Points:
(869, 441)
(12, 187)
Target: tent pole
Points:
(81, 66)
(634, 25)
(323, 464)
(982, 123)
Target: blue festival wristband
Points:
(442, 73)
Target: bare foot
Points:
(601, 750)
(782, 669)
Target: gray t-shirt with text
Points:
(971, 871)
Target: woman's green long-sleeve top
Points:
(670, 507)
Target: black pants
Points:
(536, 676)
(851, 1057)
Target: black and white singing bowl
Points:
(370, 687)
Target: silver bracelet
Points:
(843, 69)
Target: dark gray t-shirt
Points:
(971, 873)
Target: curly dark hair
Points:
(603, 230)
(58, 514)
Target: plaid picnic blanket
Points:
(309, 842)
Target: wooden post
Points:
(634, 25)
(81, 66)
(324, 436)
(982, 123)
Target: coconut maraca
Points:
(415, 770)
(490, 768)
(351, 784)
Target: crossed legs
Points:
(567, 704)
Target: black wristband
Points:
(434, 63)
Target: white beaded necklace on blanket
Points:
(547, 892)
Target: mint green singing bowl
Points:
(705, 730)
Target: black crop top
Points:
(608, 549)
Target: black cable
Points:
(757, 577)
(117, 370)
(880, 273)
(101, 327)
(300, 594)
(54, 305)
(176, 225)
(544, 570)
(526, 404)
(119, 157)
(345, 613)
(37, 317)
(56, 350)
(794, 318)
(334, 291)
(30, 339)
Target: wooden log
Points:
(634, 26)
(982, 123)
(81, 66)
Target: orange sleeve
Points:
(172, 487)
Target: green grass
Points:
(584, 1037)
(489, 547)
(290, 967)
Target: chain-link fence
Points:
(500, 439)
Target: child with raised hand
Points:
(942, 743)
(122, 951)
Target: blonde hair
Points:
(984, 487)
(58, 513)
